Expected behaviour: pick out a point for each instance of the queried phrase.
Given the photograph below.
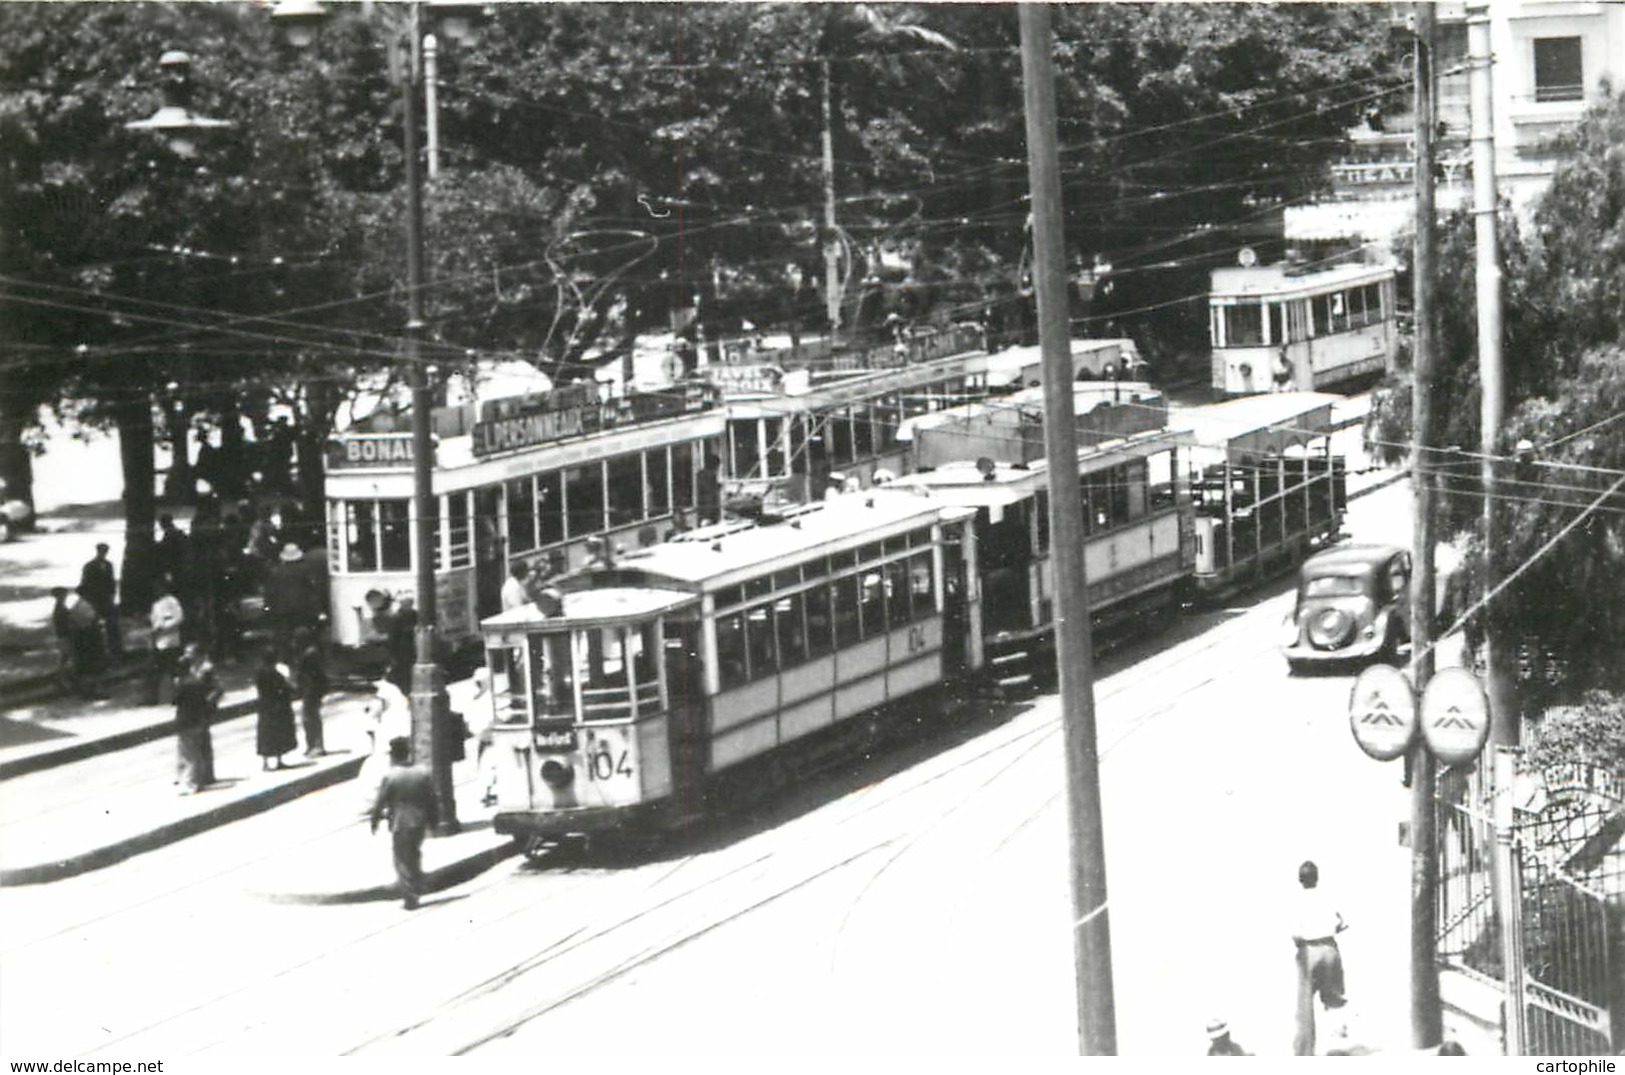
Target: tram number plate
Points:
(604, 764)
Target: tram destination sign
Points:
(370, 451)
(534, 421)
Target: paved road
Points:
(914, 902)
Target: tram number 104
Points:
(606, 764)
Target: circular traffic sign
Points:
(1382, 712)
(1455, 716)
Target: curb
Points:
(179, 830)
(453, 873)
(89, 748)
(25, 689)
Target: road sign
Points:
(1382, 712)
(1455, 716)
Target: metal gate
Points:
(1569, 866)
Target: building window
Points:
(1558, 76)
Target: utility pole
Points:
(1504, 723)
(832, 250)
(1091, 930)
(430, 707)
(1427, 1024)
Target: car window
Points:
(1333, 586)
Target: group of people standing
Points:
(85, 622)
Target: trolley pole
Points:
(1091, 931)
(430, 707)
(1427, 1022)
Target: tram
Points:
(531, 477)
(1287, 328)
(789, 429)
(648, 675)
(1266, 489)
(642, 679)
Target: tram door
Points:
(490, 551)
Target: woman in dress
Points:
(197, 694)
(274, 733)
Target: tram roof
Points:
(1260, 280)
(715, 557)
(587, 608)
(963, 483)
(1085, 394)
(1257, 422)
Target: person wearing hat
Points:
(293, 600)
(1219, 1041)
(406, 796)
(837, 484)
(98, 586)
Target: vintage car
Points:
(1353, 605)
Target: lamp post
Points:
(432, 736)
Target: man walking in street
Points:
(407, 796)
(97, 584)
(1315, 926)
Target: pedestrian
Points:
(274, 733)
(406, 795)
(62, 628)
(78, 632)
(197, 695)
(167, 619)
(312, 668)
(1315, 926)
(1219, 1041)
(836, 486)
(292, 602)
(97, 583)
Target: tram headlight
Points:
(557, 774)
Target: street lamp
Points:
(432, 737)
(175, 121)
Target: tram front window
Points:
(620, 670)
(550, 676)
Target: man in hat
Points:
(1316, 924)
(293, 599)
(837, 485)
(1220, 1042)
(406, 795)
(98, 586)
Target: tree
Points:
(1564, 348)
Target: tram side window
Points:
(682, 476)
(921, 585)
(1321, 307)
(521, 515)
(361, 535)
(848, 625)
(774, 429)
(899, 603)
(458, 553)
(1244, 325)
(863, 431)
(625, 489)
(1278, 323)
(550, 507)
(792, 632)
(764, 660)
(732, 670)
(1371, 294)
(1340, 311)
(884, 416)
(840, 437)
(394, 535)
(873, 601)
(585, 492)
(745, 452)
(819, 629)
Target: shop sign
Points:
(1455, 716)
(370, 451)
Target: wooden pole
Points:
(1091, 931)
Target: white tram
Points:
(790, 428)
(1283, 328)
(1265, 487)
(529, 478)
(1138, 549)
(624, 696)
